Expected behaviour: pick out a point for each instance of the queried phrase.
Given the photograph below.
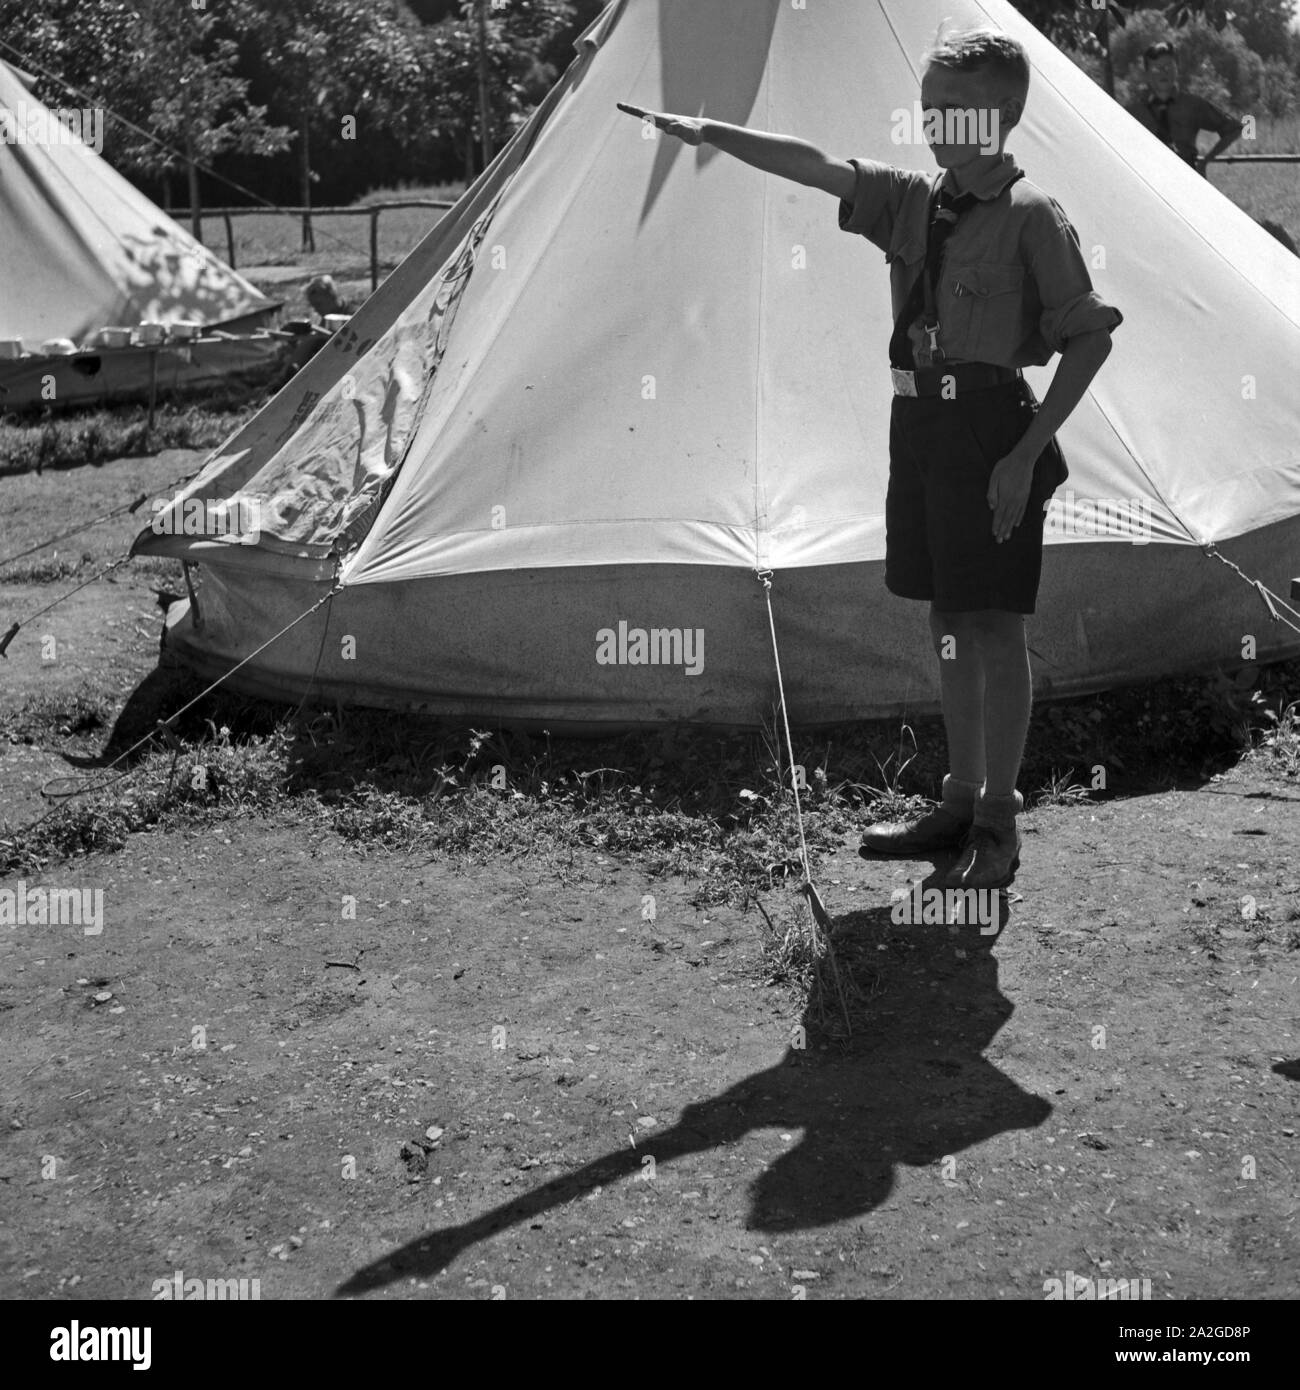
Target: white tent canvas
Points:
(623, 375)
(82, 249)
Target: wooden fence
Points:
(373, 213)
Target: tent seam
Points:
(522, 284)
(760, 485)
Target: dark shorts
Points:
(939, 542)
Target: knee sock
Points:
(959, 797)
(999, 812)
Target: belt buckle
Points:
(904, 381)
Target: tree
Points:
(1215, 64)
(203, 108)
(111, 54)
(1089, 25)
(1265, 26)
(85, 56)
(485, 70)
(343, 68)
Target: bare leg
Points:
(995, 672)
(1008, 696)
(962, 684)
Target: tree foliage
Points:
(1216, 64)
(350, 91)
(518, 33)
(107, 53)
(336, 58)
(1079, 23)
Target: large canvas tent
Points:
(624, 375)
(82, 249)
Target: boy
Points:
(972, 457)
(1176, 117)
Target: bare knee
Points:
(991, 632)
(951, 634)
(999, 635)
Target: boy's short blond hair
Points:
(995, 55)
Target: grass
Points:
(75, 438)
(713, 810)
(1279, 744)
(1265, 191)
(342, 241)
(1275, 135)
(436, 192)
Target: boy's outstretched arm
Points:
(783, 155)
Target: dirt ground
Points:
(509, 1082)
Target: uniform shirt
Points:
(1013, 287)
(1188, 115)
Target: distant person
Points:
(323, 296)
(1177, 117)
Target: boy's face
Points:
(965, 118)
(1162, 76)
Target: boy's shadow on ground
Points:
(911, 1086)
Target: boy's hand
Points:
(1008, 495)
(686, 128)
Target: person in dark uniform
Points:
(987, 277)
(1176, 117)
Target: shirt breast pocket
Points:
(990, 304)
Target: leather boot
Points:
(992, 853)
(943, 828)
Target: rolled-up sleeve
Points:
(1209, 117)
(1070, 305)
(877, 201)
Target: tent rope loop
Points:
(1268, 598)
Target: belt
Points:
(960, 376)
